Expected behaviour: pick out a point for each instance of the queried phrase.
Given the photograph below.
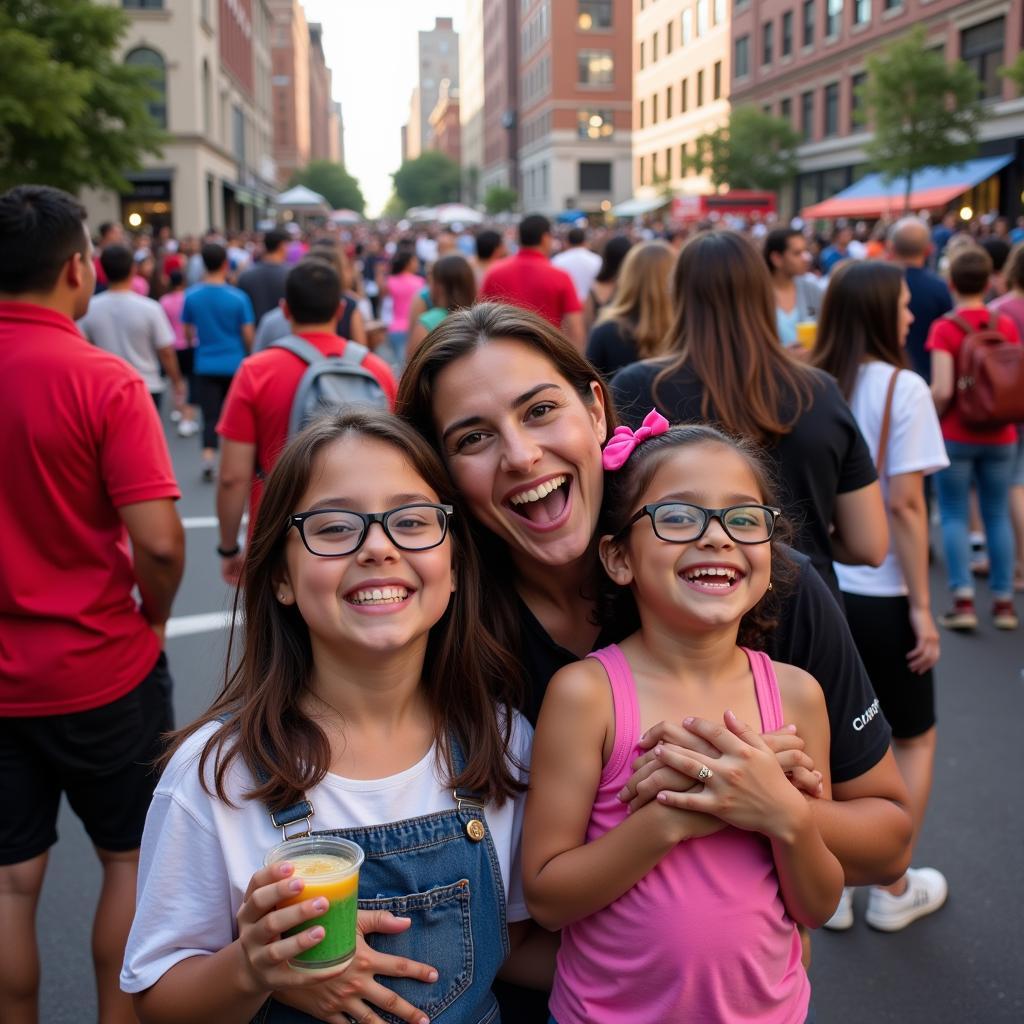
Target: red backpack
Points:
(990, 376)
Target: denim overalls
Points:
(442, 871)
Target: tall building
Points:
(471, 99)
(337, 135)
(803, 60)
(575, 104)
(211, 63)
(445, 127)
(501, 95)
(438, 60)
(321, 105)
(290, 53)
(681, 51)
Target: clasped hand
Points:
(333, 995)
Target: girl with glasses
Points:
(655, 928)
(368, 703)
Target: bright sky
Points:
(372, 49)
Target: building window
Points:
(683, 167)
(808, 37)
(684, 103)
(742, 57)
(700, 88)
(143, 5)
(668, 103)
(595, 124)
(654, 109)
(833, 18)
(786, 110)
(717, 80)
(594, 14)
(856, 103)
(654, 47)
(807, 116)
(643, 111)
(720, 12)
(861, 12)
(767, 42)
(981, 48)
(891, 5)
(702, 17)
(143, 57)
(643, 60)
(595, 177)
(238, 133)
(643, 170)
(669, 41)
(687, 23)
(832, 109)
(595, 67)
(787, 33)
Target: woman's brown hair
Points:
(470, 682)
(460, 334)
(642, 303)
(725, 333)
(452, 283)
(622, 490)
(859, 320)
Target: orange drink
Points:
(330, 869)
(806, 333)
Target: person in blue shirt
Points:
(218, 320)
(838, 250)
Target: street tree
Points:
(71, 114)
(430, 179)
(1015, 72)
(500, 199)
(333, 182)
(923, 111)
(754, 150)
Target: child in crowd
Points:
(654, 928)
(366, 687)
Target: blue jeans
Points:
(990, 465)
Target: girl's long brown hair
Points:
(725, 333)
(643, 299)
(470, 681)
(458, 335)
(859, 321)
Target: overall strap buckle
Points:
(464, 800)
(300, 812)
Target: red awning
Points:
(871, 207)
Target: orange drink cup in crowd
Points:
(806, 333)
(330, 868)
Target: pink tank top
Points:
(704, 936)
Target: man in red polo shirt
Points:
(529, 280)
(254, 423)
(85, 694)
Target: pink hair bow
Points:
(624, 440)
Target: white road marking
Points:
(188, 625)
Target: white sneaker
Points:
(188, 428)
(926, 891)
(843, 916)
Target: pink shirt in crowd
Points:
(402, 288)
(705, 935)
(172, 303)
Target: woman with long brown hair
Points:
(861, 337)
(725, 366)
(635, 324)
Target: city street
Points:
(961, 965)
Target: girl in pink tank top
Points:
(684, 907)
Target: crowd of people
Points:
(585, 587)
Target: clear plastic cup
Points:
(330, 868)
(806, 334)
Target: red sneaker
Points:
(1003, 615)
(962, 615)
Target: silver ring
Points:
(704, 774)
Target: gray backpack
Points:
(330, 382)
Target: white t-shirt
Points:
(915, 445)
(581, 265)
(133, 327)
(198, 853)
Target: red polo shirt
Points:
(528, 280)
(259, 401)
(81, 439)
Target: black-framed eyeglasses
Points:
(330, 532)
(679, 523)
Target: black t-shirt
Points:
(812, 634)
(264, 284)
(929, 300)
(610, 347)
(822, 456)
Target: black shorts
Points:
(102, 758)
(881, 630)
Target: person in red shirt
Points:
(530, 281)
(254, 423)
(985, 456)
(88, 518)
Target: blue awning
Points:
(932, 189)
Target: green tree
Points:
(754, 150)
(500, 199)
(333, 182)
(1015, 72)
(924, 112)
(71, 114)
(430, 179)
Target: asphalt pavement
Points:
(964, 964)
